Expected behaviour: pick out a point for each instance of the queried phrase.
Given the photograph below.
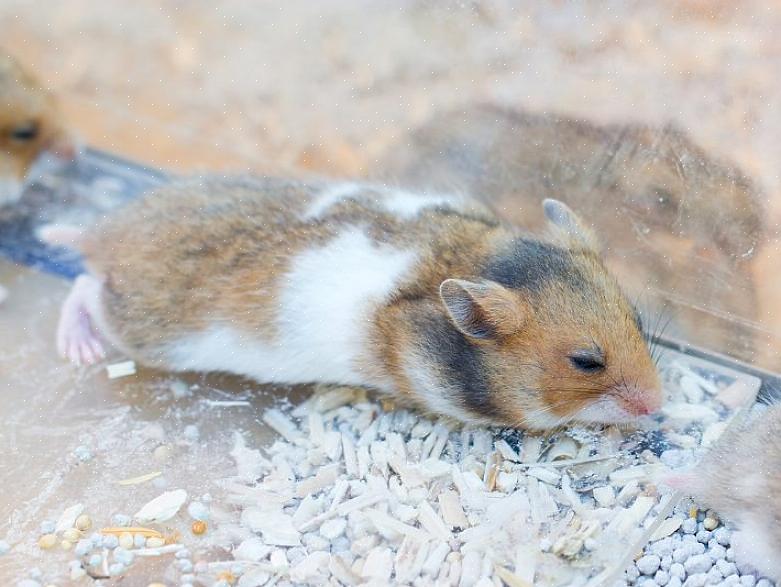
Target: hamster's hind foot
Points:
(77, 340)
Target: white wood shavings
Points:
(432, 522)
(333, 398)
(525, 561)
(411, 476)
(605, 496)
(621, 477)
(666, 528)
(349, 455)
(158, 551)
(342, 572)
(312, 568)
(636, 513)
(545, 475)
(67, 519)
(383, 522)
(308, 508)
(685, 412)
(316, 428)
(570, 495)
(564, 449)
(409, 560)
(452, 512)
(364, 461)
(436, 557)
(249, 462)
(628, 492)
(276, 527)
(491, 471)
(471, 567)
(379, 564)
(736, 395)
(283, 426)
(351, 505)
(532, 446)
(140, 478)
(511, 579)
(507, 451)
(713, 432)
(164, 507)
(123, 369)
(251, 549)
(325, 477)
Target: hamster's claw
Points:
(76, 338)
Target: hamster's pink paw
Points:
(76, 337)
(679, 479)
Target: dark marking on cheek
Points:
(531, 265)
(461, 366)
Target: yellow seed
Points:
(71, 535)
(83, 522)
(126, 540)
(154, 542)
(66, 544)
(199, 527)
(227, 576)
(693, 512)
(47, 541)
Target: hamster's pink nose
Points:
(643, 403)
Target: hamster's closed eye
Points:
(25, 133)
(588, 361)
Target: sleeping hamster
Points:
(740, 478)
(430, 299)
(30, 125)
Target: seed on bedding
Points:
(198, 527)
(83, 522)
(47, 541)
(126, 540)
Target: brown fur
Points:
(24, 101)
(218, 250)
(674, 221)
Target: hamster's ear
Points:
(482, 310)
(567, 227)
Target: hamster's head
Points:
(30, 127)
(670, 184)
(556, 338)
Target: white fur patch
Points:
(755, 545)
(335, 194)
(325, 305)
(406, 205)
(433, 392)
(604, 411)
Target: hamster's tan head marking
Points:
(30, 124)
(559, 341)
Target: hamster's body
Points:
(740, 478)
(428, 298)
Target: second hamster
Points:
(429, 299)
(31, 124)
(740, 478)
